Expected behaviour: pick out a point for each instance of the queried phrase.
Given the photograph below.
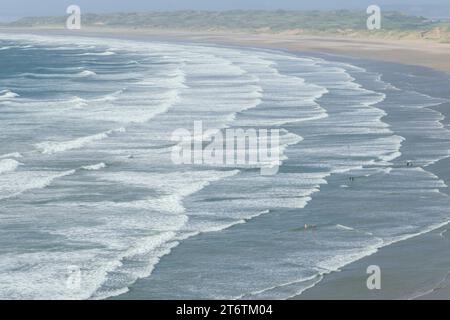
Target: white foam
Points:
(87, 73)
(51, 147)
(152, 250)
(135, 113)
(174, 187)
(94, 167)
(81, 74)
(340, 226)
(11, 155)
(413, 235)
(77, 102)
(347, 256)
(7, 95)
(105, 53)
(13, 184)
(8, 165)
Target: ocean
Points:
(87, 185)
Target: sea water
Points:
(87, 181)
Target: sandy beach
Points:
(417, 268)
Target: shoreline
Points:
(424, 53)
(420, 273)
(434, 244)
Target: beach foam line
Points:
(94, 167)
(356, 254)
(341, 226)
(13, 184)
(426, 230)
(9, 165)
(87, 73)
(218, 226)
(11, 155)
(15, 47)
(347, 228)
(264, 68)
(7, 95)
(81, 74)
(154, 248)
(77, 102)
(51, 147)
(174, 187)
(331, 265)
(109, 97)
(165, 247)
(170, 205)
(105, 53)
(61, 69)
(267, 293)
(138, 111)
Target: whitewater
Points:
(86, 177)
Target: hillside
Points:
(342, 22)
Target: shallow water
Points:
(86, 177)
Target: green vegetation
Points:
(342, 22)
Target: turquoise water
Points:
(86, 177)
